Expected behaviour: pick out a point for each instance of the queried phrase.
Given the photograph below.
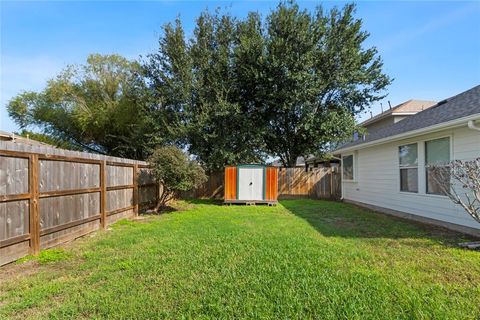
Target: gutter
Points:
(472, 125)
(437, 127)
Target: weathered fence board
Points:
(317, 183)
(49, 195)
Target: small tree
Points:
(459, 175)
(175, 172)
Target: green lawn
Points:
(301, 259)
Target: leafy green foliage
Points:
(303, 259)
(197, 93)
(287, 85)
(101, 106)
(175, 172)
(48, 256)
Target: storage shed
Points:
(251, 183)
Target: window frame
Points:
(426, 165)
(422, 177)
(354, 169)
(400, 167)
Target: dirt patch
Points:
(15, 270)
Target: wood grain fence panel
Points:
(49, 196)
(68, 234)
(55, 211)
(118, 199)
(121, 215)
(13, 175)
(147, 194)
(63, 175)
(145, 176)
(14, 252)
(317, 183)
(119, 175)
(14, 219)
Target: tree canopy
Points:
(101, 106)
(237, 90)
(288, 85)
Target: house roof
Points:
(460, 106)
(11, 137)
(409, 107)
(300, 162)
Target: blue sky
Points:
(432, 49)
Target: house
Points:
(300, 163)
(384, 119)
(388, 170)
(328, 160)
(13, 138)
(396, 114)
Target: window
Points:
(408, 158)
(437, 153)
(348, 167)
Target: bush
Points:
(175, 172)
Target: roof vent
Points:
(442, 102)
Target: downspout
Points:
(341, 178)
(472, 125)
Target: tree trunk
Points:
(163, 199)
(289, 160)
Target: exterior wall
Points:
(398, 118)
(391, 119)
(377, 178)
(380, 124)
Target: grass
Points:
(301, 259)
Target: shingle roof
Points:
(408, 107)
(13, 138)
(462, 105)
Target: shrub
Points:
(176, 172)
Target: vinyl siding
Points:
(377, 178)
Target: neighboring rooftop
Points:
(409, 107)
(11, 137)
(462, 105)
(300, 162)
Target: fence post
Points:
(135, 188)
(33, 204)
(103, 194)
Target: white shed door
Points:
(250, 183)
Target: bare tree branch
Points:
(460, 175)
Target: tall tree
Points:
(101, 106)
(288, 85)
(196, 90)
(317, 76)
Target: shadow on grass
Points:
(337, 219)
(217, 202)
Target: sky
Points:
(431, 49)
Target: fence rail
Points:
(317, 183)
(47, 199)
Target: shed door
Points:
(250, 183)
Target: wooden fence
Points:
(49, 196)
(317, 183)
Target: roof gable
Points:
(462, 105)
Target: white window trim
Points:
(399, 168)
(354, 166)
(422, 178)
(450, 146)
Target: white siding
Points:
(377, 179)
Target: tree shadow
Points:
(204, 201)
(338, 219)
